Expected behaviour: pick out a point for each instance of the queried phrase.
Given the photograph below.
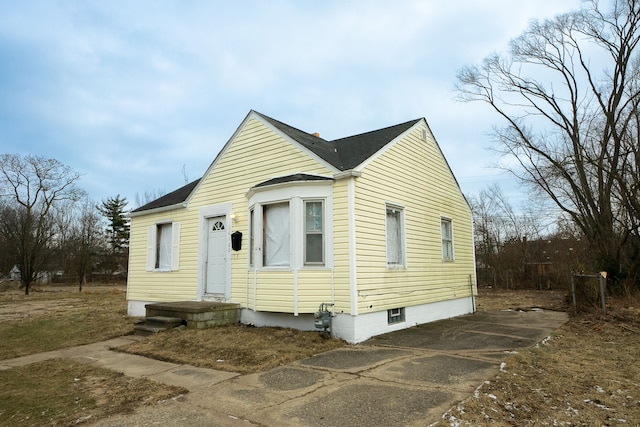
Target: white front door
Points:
(216, 269)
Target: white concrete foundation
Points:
(303, 322)
(355, 329)
(137, 309)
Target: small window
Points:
(395, 315)
(447, 239)
(313, 233)
(276, 239)
(163, 246)
(395, 237)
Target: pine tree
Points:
(114, 211)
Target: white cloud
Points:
(131, 91)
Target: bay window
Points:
(290, 226)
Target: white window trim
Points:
(396, 315)
(305, 232)
(296, 194)
(152, 236)
(453, 252)
(403, 237)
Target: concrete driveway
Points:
(405, 378)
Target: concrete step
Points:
(197, 314)
(153, 325)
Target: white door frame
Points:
(222, 210)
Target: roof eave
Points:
(158, 210)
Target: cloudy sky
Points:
(139, 95)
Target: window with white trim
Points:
(395, 315)
(313, 232)
(395, 236)
(447, 239)
(276, 244)
(163, 246)
(292, 225)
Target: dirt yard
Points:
(586, 373)
(45, 300)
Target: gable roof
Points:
(343, 154)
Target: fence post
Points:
(573, 292)
(602, 277)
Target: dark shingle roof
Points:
(175, 197)
(354, 150)
(343, 154)
(319, 146)
(296, 177)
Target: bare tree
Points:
(501, 235)
(31, 186)
(571, 127)
(86, 242)
(148, 196)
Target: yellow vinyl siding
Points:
(412, 174)
(314, 287)
(256, 154)
(161, 285)
(341, 292)
(275, 291)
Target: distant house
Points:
(43, 277)
(284, 220)
(14, 273)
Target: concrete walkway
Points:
(405, 378)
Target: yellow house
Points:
(283, 220)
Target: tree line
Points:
(48, 224)
(567, 97)
(567, 94)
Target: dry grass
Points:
(55, 318)
(586, 373)
(64, 392)
(234, 348)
